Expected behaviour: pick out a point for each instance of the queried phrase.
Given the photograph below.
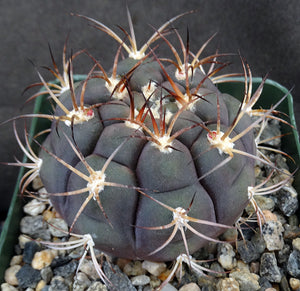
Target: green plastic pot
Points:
(272, 93)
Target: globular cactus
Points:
(150, 158)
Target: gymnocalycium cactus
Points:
(149, 159)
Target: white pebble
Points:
(23, 239)
(226, 256)
(190, 287)
(154, 268)
(140, 280)
(34, 207)
(7, 287)
(272, 234)
(10, 275)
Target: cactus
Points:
(149, 159)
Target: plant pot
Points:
(272, 93)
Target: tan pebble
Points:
(134, 268)
(154, 268)
(268, 215)
(40, 285)
(48, 214)
(16, 260)
(254, 267)
(42, 259)
(37, 183)
(10, 275)
(271, 289)
(23, 239)
(228, 284)
(164, 275)
(7, 287)
(190, 287)
(121, 263)
(294, 283)
(241, 266)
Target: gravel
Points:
(267, 260)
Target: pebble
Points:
(10, 275)
(283, 254)
(154, 268)
(269, 268)
(40, 285)
(97, 286)
(119, 280)
(16, 260)
(34, 207)
(293, 265)
(134, 268)
(248, 251)
(47, 274)
(35, 227)
(190, 287)
(30, 249)
(272, 234)
(88, 268)
(58, 227)
(28, 277)
(81, 282)
(264, 283)
(247, 281)
(296, 244)
(263, 202)
(43, 259)
(7, 287)
(294, 283)
(169, 287)
(23, 239)
(140, 280)
(226, 256)
(287, 200)
(65, 270)
(228, 284)
(59, 283)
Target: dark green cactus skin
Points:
(172, 178)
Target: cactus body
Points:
(174, 174)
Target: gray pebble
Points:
(269, 268)
(58, 283)
(283, 254)
(66, 270)
(293, 265)
(97, 286)
(287, 200)
(284, 284)
(47, 274)
(35, 227)
(264, 283)
(30, 249)
(58, 227)
(28, 277)
(248, 251)
(118, 279)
